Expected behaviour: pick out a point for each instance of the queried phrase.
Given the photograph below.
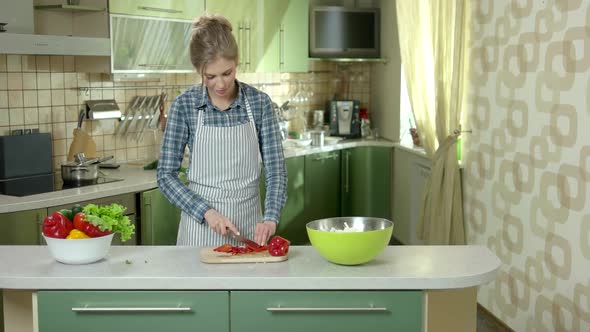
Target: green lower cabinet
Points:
(293, 214)
(366, 180)
(20, 228)
(159, 219)
(321, 311)
(124, 311)
(322, 185)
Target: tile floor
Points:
(488, 324)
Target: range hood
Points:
(22, 20)
(15, 43)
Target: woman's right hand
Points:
(219, 223)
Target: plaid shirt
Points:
(180, 130)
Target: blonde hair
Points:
(211, 38)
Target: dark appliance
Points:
(341, 32)
(26, 164)
(345, 118)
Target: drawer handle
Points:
(303, 309)
(131, 309)
(331, 156)
(156, 9)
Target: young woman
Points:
(231, 131)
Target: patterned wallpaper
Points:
(527, 163)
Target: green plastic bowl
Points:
(350, 248)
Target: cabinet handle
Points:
(131, 309)
(304, 309)
(332, 156)
(249, 44)
(346, 176)
(156, 9)
(282, 46)
(155, 65)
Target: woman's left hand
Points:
(263, 231)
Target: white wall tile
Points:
(70, 80)
(42, 63)
(13, 63)
(31, 116)
(58, 114)
(56, 63)
(44, 114)
(30, 81)
(15, 98)
(30, 98)
(58, 130)
(28, 63)
(4, 117)
(3, 81)
(44, 97)
(15, 81)
(43, 81)
(69, 64)
(2, 62)
(57, 80)
(17, 117)
(57, 97)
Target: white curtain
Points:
(433, 37)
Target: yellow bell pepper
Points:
(76, 235)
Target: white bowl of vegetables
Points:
(84, 235)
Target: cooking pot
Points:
(75, 174)
(82, 171)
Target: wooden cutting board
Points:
(207, 255)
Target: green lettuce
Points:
(111, 218)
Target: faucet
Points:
(283, 122)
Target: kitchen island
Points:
(149, 288)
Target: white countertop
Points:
(171, 267)
(136, 179)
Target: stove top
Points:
(42, 184)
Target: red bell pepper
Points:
(89, 229)
(57, 226)
(278, 246)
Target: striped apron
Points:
(224, 170)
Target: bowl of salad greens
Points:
(83, 235)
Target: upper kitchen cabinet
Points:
(269, 33)
(149, 44)
(179, 9)
(53, 27)
(293, 38)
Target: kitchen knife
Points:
(242, 239)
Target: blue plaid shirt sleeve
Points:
(175, 140)
(271, 150)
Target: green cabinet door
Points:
(321, 311)
(176, 9)
(284, 36)
(124, 311)
(295, 37)
(292, 218)
(159, 219)
(366, 180)
(247, 24)
(322, 190)
(20, 228)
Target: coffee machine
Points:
(345, 118)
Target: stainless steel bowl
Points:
(360, 223)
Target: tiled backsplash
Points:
(44, 92)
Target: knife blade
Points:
(242, 239)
